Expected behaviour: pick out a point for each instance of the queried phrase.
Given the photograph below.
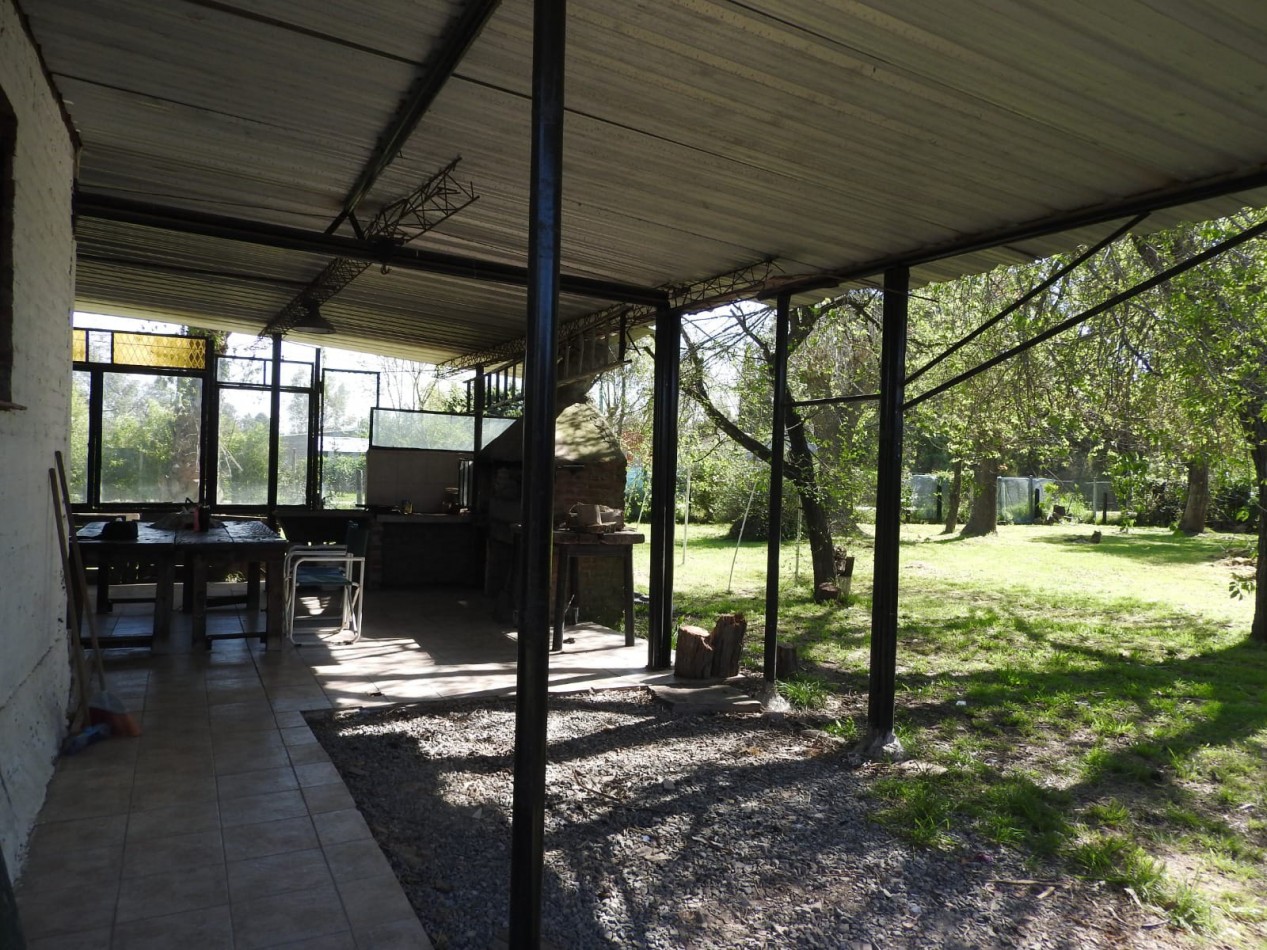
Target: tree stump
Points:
(826, 592)
(786, 664)
(694, 658)
(726, 641)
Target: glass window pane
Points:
(248, 372)
(150, 349)
(79, 345)
(292, 450)
(78, 474)
(149, 437)
(495, 426)
(399, 429)
(242, 468)
(99, 346)
(345, 429)
(298, 375)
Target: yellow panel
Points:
(79, 345)
(144, 349)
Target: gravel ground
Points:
(716, 831)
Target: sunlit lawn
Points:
(1093, 705)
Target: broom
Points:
(103, 706)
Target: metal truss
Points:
(396, 224)
(620, 318)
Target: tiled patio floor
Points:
(224, 824)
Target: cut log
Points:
(694, 659)
(786, 664)
(726, 641)
(826, 592)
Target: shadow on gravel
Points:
(704, 831)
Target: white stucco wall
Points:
(34, 670)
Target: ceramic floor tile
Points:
(355, 860)
(395, 935)
(337, 941)
(158, 790)
(174, 853)
(336, 827)
(323, 798)
(288, 918)
(53, 869)
(79, 834)
(256, 782)
(317, 773)
(210, 928)
(374, 900)
(270, 806)
(308, 755)
(96, 939)
(159, 895)
(269, 837)
(278, 874)
(168, 820)
(55, 911)
(250, 760)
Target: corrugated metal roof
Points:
(701, 136)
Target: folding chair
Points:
(329, 568)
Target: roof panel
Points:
(701, 136)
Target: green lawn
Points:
(1093, 705)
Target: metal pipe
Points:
(882, 692)
(478, 398)
(532, 679)
(1028, 296)
(274, 422)
(782, 316)
(183, 221)
(668, 332)
(459, 36)
(1175, 269)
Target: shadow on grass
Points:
(1174, 548)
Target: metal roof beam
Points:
(144, 214)
(462, 32)
(1186, 193)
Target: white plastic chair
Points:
(326, 568)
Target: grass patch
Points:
(805, 692)
(1096, 706)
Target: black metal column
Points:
(782, 313)
(888, 515)
(478, 398)
(274, 422)
(540, 372)
(664, 440)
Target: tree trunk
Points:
(1259, 450)
(800, 469)
(1198, 501)
(984, 517)
(727, 643)
(956, 495)
(694, 658)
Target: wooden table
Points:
(571, 545)
(252, 542)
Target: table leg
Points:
(198, 570)
(276, 594)
(560, 595)
(629, 600)
(163, 597)
(253, 586)
(103, 584)
(187, 585)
